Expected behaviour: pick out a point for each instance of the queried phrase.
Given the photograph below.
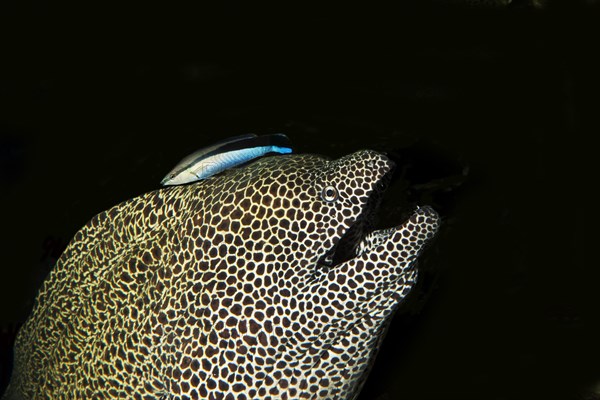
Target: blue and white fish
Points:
(225, 154)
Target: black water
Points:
(490, 115)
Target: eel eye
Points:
(329, 194)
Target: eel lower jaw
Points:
(374, 238)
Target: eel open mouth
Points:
(348, 245)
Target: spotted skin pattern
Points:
(225, 289)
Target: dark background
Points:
(489, 110)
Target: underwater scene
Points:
(346, 202)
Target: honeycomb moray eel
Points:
(226, 289)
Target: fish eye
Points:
(329, 194)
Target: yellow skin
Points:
(225, 289)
